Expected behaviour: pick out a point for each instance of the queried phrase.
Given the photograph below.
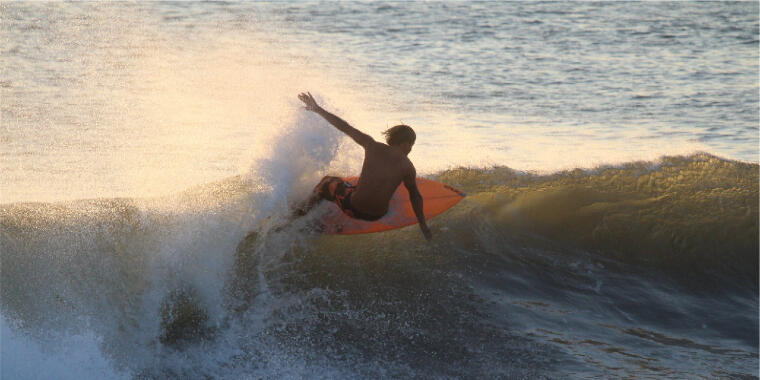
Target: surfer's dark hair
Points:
(400, 134)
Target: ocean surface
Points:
(149, 152)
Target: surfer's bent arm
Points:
(357, 135)
(410, 181)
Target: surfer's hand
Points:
(426, 232)
(308, 100)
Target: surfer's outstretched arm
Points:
(410, 181)
(357, 135)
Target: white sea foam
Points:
(57, 356)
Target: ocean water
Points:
(609, 152)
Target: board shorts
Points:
(338, 190)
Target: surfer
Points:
(383, 170)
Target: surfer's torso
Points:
(383, 171)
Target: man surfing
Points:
(383, 170)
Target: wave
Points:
(153, 277)
(694, 214)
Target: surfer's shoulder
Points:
(409, 166)
(375, 146)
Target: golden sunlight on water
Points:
(117, 105)
(160, 120)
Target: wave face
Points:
(642, 269)
(692, 216)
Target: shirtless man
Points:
(384, 168)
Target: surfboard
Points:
(437, 198)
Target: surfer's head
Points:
(401, 136)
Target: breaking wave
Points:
(153, 282)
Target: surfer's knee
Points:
(326, 179)
(327, 187)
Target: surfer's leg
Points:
(324, 190)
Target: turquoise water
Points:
(609, 152)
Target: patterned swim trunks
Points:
(338, 190)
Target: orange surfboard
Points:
(437, 198)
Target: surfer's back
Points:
(383, 170)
